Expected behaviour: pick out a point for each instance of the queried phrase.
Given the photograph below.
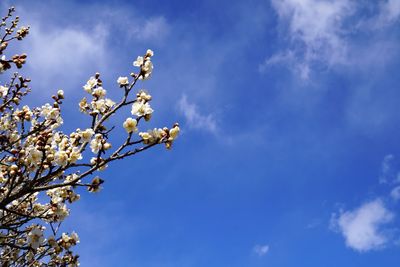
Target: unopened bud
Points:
(107, 146)
(14, 167)
(147, 117)
(60, 94)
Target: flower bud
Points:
(107, 146)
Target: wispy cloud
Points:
(194, 118)
(313, 224)
(135, 26)
(289, 59)
(390, 173)
(395, 193)
(363, 228)
(315, 31)
(153, 29)
(56, 54)
(59, 51)
(389, 12)
(61, 54)
(386, 169)
(320, 33)
(261, 250)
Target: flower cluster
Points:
(100, 104)
(11, 33)
(141, 107)
(43, 169)
(158, 135)
(145, 65)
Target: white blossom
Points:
(34, 156)
(147, 69)
(50, 112)
(109, 103)
(75, 237)
(91, 83)
(87, 135)
(3, 91)
(83, 105)
(138, 62)
(123, 81)
(75, 155)
(145, 136)
(152, 136)
(35, 238)
(99, 106)
(58, 212)
(56, 195)
(130, 125)
(96, 143)
(149, 53)
(173, 133)
(1, 64)
(143, 96)
(99, 92)
(141, 108)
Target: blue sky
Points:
(289, 153)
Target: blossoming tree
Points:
(41, 166)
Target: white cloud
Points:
(312, 21)
(261, 250)
(389, 11)
(317, 26)
(134, 26)
(68, 48)
(61, 56)
(362, 227)
(153, 29)
(287, 58)
(194, 118)
(321, 32)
